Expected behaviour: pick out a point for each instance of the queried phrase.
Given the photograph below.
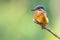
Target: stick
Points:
(52, 32)
(48, 29)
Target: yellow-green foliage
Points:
(16, 19)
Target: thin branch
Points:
(48, 29)
(52, 32)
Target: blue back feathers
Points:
(39, 7)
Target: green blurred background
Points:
(16, 20)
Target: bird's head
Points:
(38, 7)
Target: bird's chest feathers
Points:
(40, 16)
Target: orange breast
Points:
(41, 17)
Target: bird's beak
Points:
(33, 9)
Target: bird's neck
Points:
(40, 10)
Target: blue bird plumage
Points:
(38, 7)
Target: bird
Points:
(40, 16)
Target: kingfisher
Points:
(40, 16)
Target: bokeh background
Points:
(16, 20)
